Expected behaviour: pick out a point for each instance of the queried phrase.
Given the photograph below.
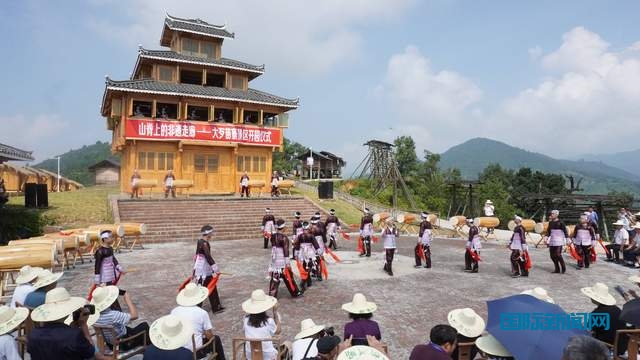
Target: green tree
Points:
(286, 160)
(406, 155)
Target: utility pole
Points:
(58, 173)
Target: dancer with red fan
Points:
(472, 254)
(423, 247)
(205, 269)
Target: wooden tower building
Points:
(189, 109)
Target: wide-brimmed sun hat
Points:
(58, 305)
(104, 296)
(599, 293)
(618, 223)
(11, 318)
(170, 332)
(46, 277)
(467, 322)
(308, 328)
(361, 352)
(359, 305)
(489, 345)
(192, 294)
(27, 274)
(259, 302)
(540, 294)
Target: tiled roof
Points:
(198, 91)
(10, 153)
(197, 26)
(169, 55)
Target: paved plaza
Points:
(409, 304)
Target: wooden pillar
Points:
(153, 109)
(260, 117)
(204, 76)
(177, 168)
(212, 112)
(241, 116)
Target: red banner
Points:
(185, 130)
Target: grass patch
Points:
(346, 212)
(74, 209)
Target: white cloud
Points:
(588, 102)
(535, 53)
(300, 36)
(429, 104)
(43, 134)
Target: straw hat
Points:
(540, 294)
(259, 302)
(600, 293)
(359, 305)
(634, 278)
(489, 345)
(27, 274)
(618, 223)
(58, 305)
(466, 321)
(46, 277)
(361, 352)
(104, 296)
(308, 328)
(10, 318)
(170, 332)
(192, 295)
(488, 202)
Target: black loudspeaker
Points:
(31, 195)
(43, 196)
(325, 190)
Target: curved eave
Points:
(254, 72)
(169, 93)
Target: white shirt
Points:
(300, 346)
(8, 348)
(264, 332)
(199, 319)
(621, 237)
(488, 210)
(20, 293)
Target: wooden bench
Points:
(255, 347)
(116, 353)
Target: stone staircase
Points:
(177, 220)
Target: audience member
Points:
(306, 344)
(492, 348)
(443, 342)
(168, 335)
(620, 241)
(606, 303)
(55, 340)
(329, 347)
(585, 348)
(24, 280)
(190, 307)
(258, 325)
(360, 312)
(45, 281)
(10, 319)
(103, 299)
(469, 326)
(540, 294)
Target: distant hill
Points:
(472, 156)
(627, 160)
(74, 163)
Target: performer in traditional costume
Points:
(332, 226)
(297, 231)
(472, 252)
(244, 185)
(268, 226)
(489, 210)
(518, 245)
(556, 239)
(280, 267)
(307, 249)
(366, 233)
(168, 184)
(205, 268)
(322, 226)
(107, 270)
(389, 238)
(584, 237)
(317, 233)
(423, 247)
(134, 184)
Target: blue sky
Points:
(550, 76)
